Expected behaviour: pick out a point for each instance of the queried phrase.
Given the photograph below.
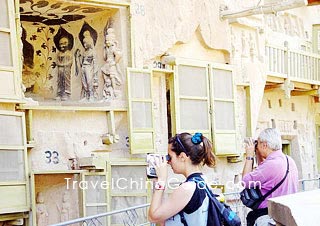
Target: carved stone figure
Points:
(64, 43)
(234, 43)
(108, 91)
(73, 163)
(112, 56)
(252, 45)
(86, 65)
(295, 26)
(41, 211)
(300, 27)
(287, 25)
(64, 209)
(244, 43)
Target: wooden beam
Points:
(13, 216)
(298, 85)
(88, 107)
(270, 87)
(274, 79)
(313, 2)
(305, 93)
(301, 85)
(287, 86)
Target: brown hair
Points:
(199, 153)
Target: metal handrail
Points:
(303, 181)
(94, 218)
(234, 202)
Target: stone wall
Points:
(158, 26)
(187, 29)
(295, 119)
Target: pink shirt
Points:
(270, 172)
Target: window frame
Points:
(136, 147)
(20, 188)
(175, 112)
(15, 69)
(222, 138)
(225, 142)
(85, 204)
(318, 142)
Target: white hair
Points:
(272, 137)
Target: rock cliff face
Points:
(158, 25)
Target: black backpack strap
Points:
(278, 185)
(183, 219)
(224, 214)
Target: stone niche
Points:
(55, 199)
(73, 52)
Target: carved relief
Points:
(64, 208)
(37, 76)
(285, 126)
(234, 43)
(108, 91)
(28, 51)
(60, 201)
(252, 46)
(244, 44)
(300, 27)
(111, 70)
(41, 208)
(28, 61)
(63, 52)
(64, 43)
(287, 24)
(53, 12)
(86, 65)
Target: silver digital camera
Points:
(151, 162)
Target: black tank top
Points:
(197, 198)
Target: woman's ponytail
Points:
(210, 158)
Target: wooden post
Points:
(30, 138)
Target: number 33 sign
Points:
(52, 157)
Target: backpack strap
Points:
(183, 219)
(225, 214)
(200, 181)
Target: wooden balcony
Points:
(296, 72)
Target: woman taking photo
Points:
(189, 203)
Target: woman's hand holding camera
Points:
(160, 165)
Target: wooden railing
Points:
(294, 64)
